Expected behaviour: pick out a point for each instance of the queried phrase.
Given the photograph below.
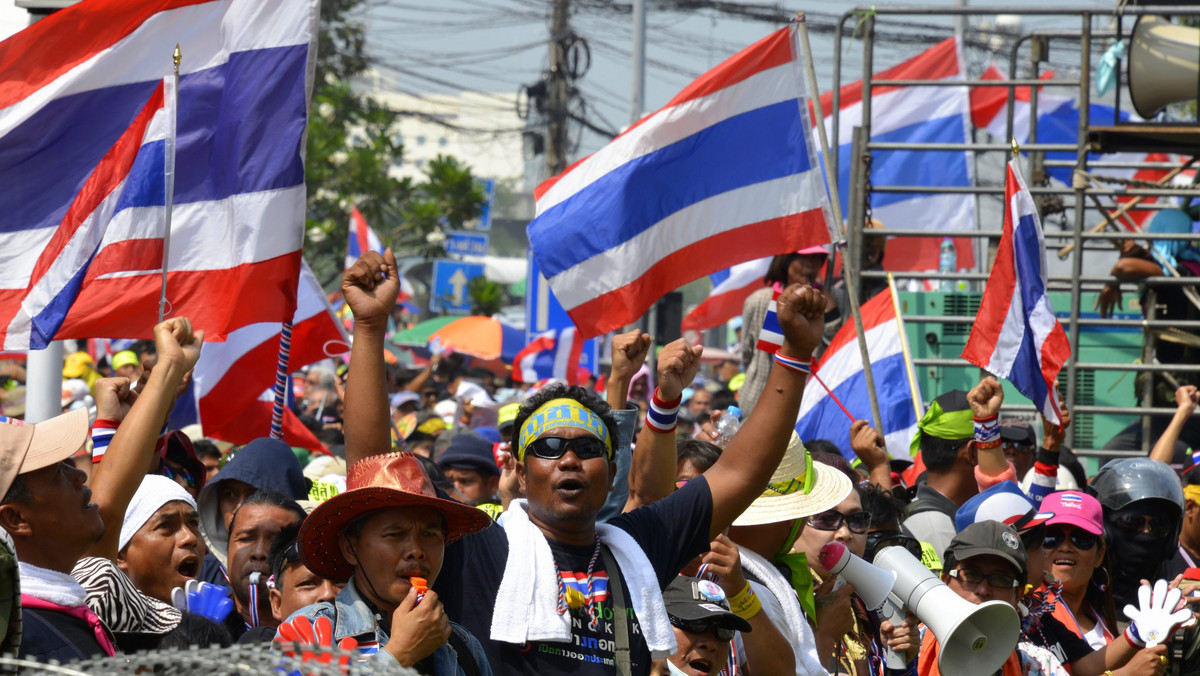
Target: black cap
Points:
(1017, 431)
(988, 538)
(689, 598)
(468, 450)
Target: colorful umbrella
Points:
(421, 333)
(482, 337)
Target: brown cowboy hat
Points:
(377, 482)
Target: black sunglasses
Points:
(703, 627)
(1080, 539)
(553, 448)
(177, 474)
(1034, 537)
(858, 522)
(975, 578)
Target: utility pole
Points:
(637, 99)
(558, 86)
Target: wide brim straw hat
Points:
(375, 483)
(798, 488)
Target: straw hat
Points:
(786, 497)
(375, 483)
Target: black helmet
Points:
(1122, 482)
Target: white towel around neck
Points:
(527, 602)
(799, 634)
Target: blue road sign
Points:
(450, 279)
(485, 216)
(462, 243)
(544, 313)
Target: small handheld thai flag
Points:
(553, 354)
(1016, 335)
(770, 338)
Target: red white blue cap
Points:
(1005, 503)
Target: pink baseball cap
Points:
(814, 250)
(1074, 508)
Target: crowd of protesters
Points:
(459, 525)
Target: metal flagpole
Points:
(169, 174)
(908, 362)
(849, 263)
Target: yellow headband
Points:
(1192, 492)
(561, 413)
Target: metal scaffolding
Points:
(1082, 199)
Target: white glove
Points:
(1153, 621)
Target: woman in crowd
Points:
(1077, 558)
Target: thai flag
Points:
(1016, 334)
(841, 369)
(233, 381)
(363, 239)
(911, 115)
(1058, 122)
(730, 290)
(726, 172)
(553, 354)
(770, 337)
(83, 142)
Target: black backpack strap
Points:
(621, 654)
(466, 659)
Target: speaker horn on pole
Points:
(1163, 62)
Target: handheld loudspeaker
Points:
(1163, 62)
(974, 639)
(871, 584)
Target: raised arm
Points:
(985, 400)
(652, 475)
(752, 456)
(871, 448)
(130, 454)
(1186, 398)
(370, 288)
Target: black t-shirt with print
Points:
(671, 532)
(1058, 638)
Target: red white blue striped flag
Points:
(1016, 334)
(725, 173)
(553, 354)
(83, 142)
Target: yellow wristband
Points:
(745, 604)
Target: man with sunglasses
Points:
(544, 592)
(704, 626)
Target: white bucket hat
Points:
(798, 488)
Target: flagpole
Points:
(849, 266)
(169, 176)
(908, 362)
(281, 374)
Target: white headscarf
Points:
(155, 491)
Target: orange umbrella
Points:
(482, 337)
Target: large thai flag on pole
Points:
(553, 354)
(232, 382)
(1016, 334)
(937, 114)
(730, 290)
(726, 172)
(82, 148)
(841, 370)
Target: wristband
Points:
(103, 431)
(987, 433)
(798, 365)
(745, 604)
(662, 415)
(1131, 635)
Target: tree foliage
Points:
(352, 149)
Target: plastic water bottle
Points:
(946, 260)
(728, 425)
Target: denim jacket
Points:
(352, 617)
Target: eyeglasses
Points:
(975, 578)
(1034, 537)
(1080, 539)
(553, 448)
(858, 522)
(1156, 526)
(703, 627)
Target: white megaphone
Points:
(871, 584)
(974, 639)
(1164, 60)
